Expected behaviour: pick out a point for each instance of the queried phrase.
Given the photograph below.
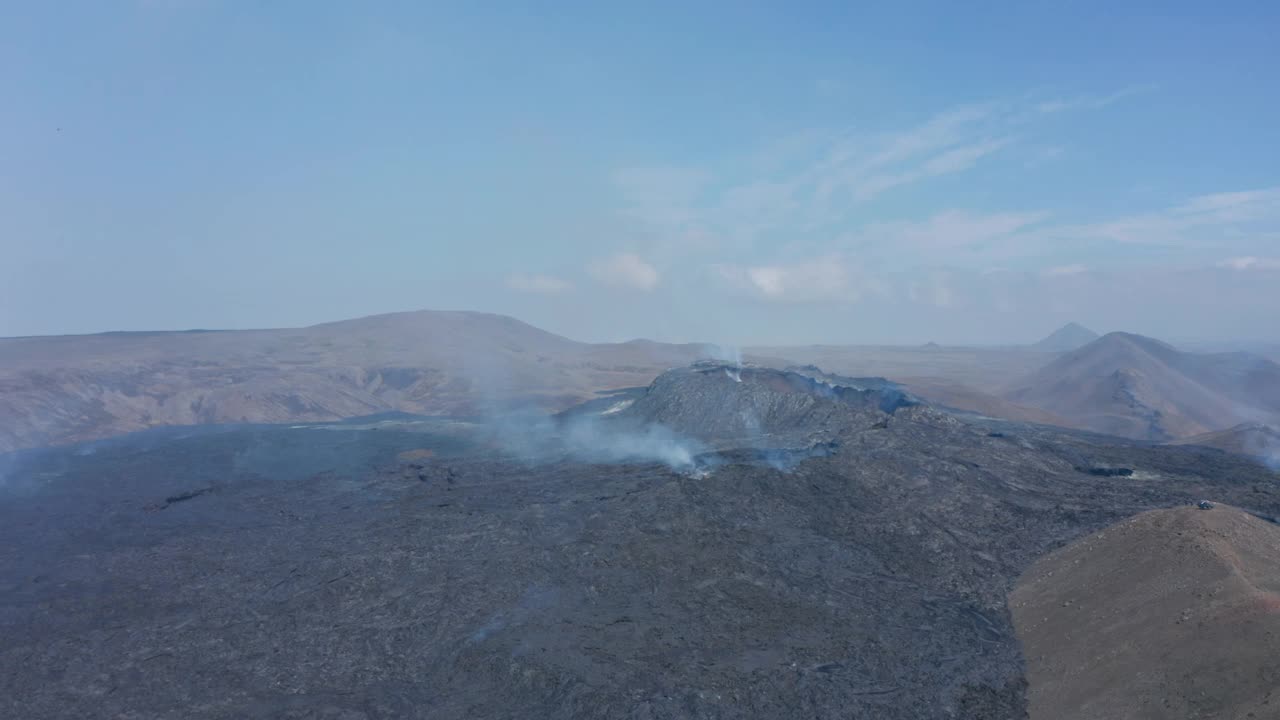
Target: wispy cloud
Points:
(1250, 263)
(816, 194)
(1090, 102)
(1246, 221)
(955, 160)
(948, 230)
(1205, 220)
(534, 283)
(861, 167)
(625, 270)
(816, 183)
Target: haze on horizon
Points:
(730, 173)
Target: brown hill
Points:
(1170, 614)
(1137, 387)
(71, 388)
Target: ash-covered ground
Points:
(729, 543)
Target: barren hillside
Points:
(70, 388)
(1137, 387)
(1170, 614)
(1253, 439)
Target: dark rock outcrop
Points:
(747, 406)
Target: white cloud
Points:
(1250, 263)
(534, 283)
(820, 279)
(1066, 270)
(625, 270)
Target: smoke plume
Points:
(537, 437)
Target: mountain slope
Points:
(1253, 439)
(69, 388)
(955, 396)
(1066, 338)
(1173, 613)
(1137, 387)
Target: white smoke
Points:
(534, 436)
(729, 354)
(591, 440)
(1264, 442)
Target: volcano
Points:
(422, 567)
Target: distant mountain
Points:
(1134, 386)
(1067, 338)
(71, 388)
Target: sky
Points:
(731, 172)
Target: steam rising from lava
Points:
(728, 354)
(1266, 445)
(537, 437)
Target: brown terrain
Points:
(73, 388)
(1171, 614)
(1137, 387)
(64, 389)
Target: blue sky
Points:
(735, 172)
